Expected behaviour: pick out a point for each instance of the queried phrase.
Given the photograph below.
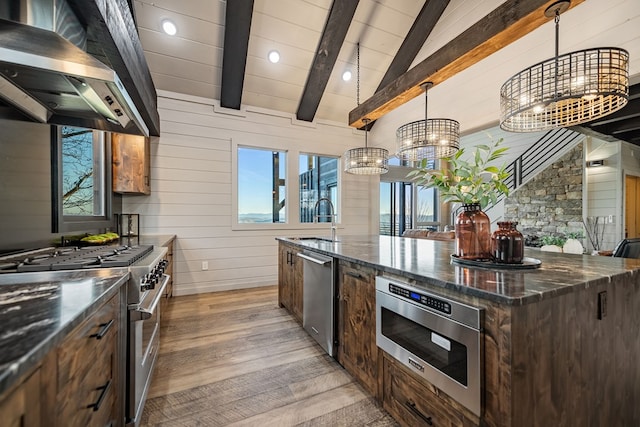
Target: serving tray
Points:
(527, 263)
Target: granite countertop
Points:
(429, 261)
(149, 239)
(38, 310)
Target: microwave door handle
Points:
(144, 313)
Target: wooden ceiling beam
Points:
(423, 25)
(333, 35)
(237, 28)
(418, 33)
(504, 25)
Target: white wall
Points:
(604, 190)
(192, 190)
(25, 184)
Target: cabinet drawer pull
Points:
(412, 406)
(105, 389)
(103, 331)
(355, 275)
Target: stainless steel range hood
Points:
(51, 80)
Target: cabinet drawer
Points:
(413, 404)
(87, 378)
(88, 342)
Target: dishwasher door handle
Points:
(321, 261)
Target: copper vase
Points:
(473, 234)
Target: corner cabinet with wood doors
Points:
(357, 349)
(290, 279)
(81, 381)
(89, 383)
(131, 161)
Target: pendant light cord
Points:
(358, 74)
(557, 22)
(364, 120)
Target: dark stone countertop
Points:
(429, 261)
(38, 310)
(148, 239)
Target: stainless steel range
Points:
(146, 265)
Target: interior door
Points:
(632, 206)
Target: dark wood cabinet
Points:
(80, 382)
(357, 349)
(168, 292)
(131, 159)
(89, 375)
(290, 280)
(22, 406)
(413, 403)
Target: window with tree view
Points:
(261, 185)
(83, 177)
(318, 178)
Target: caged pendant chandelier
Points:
(365, 160)
(427, 139)
(566, 90)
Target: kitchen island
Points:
(559, 342)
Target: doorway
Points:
(631, 206)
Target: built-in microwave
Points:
(437, 338)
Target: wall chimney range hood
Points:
(49, 79)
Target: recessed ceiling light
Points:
(346, 76)
(169, 27)
(274, 56)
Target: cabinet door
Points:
(131, 164)
(290, 280)
(88, 371)
(358, 352)
(22, 406)
(295, 277)
(284, 276)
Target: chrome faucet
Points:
(317, 216)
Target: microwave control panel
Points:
(426, 300)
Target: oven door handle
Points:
(144, 313)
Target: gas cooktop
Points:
(73, 258)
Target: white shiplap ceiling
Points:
(191, 61)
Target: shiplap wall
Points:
(605, 192)
(192, 190)
(25, 184)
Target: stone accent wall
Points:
(551, 203)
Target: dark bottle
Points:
(473, 234)
(507, 243)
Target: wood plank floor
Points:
(236, 358)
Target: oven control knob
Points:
(148, 282)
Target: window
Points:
(261, 185)
(81, 181)
(396, 207)
(318, 178)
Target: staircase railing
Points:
(538, 156)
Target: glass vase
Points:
(473, 234)
(507, 243)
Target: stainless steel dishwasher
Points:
(318, 298)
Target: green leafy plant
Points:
(553, 240)
(467, 181)
(575, 235)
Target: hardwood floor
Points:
(236, 358)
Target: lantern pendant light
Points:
(427, 139)
(566, 90)
(365, 160)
